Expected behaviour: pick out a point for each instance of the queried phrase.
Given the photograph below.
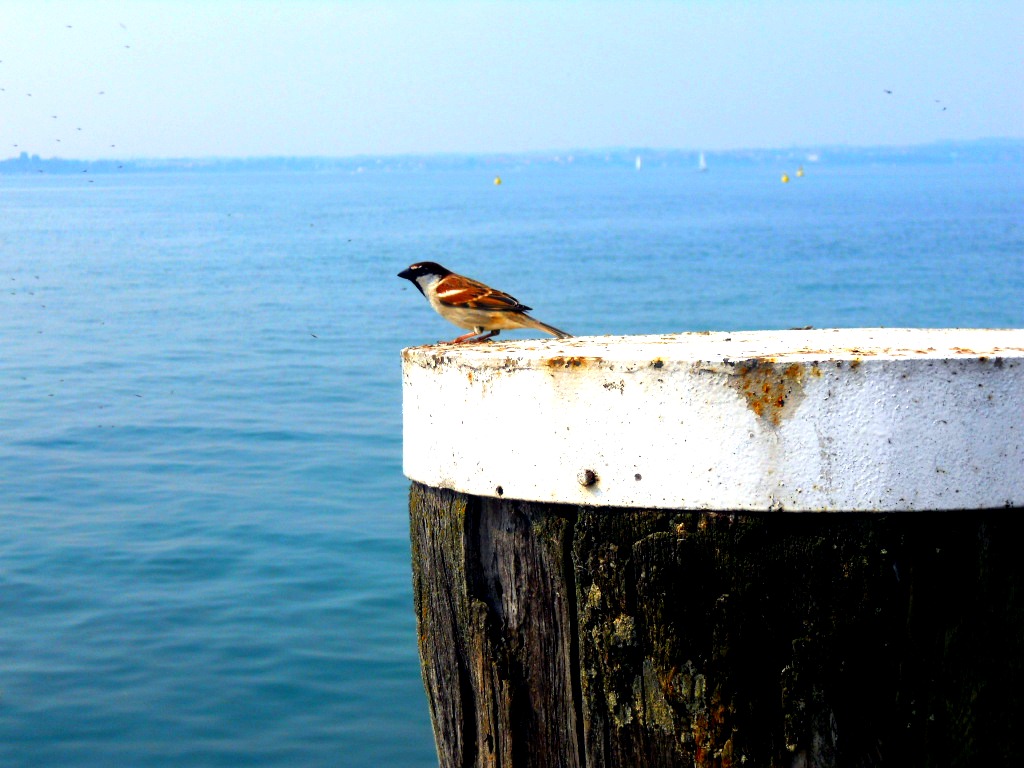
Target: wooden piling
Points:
(559, 630)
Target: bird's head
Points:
(424, 273)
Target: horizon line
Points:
(565, 152)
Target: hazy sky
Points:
(343, 78)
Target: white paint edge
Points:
(817, 420)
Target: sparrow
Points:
(470, 304)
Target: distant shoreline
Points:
(1001, 151)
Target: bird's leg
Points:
(464, 337)
(467, 338)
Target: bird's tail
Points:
(532, 322)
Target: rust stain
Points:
(571, 362)
(771, 391)
(432, 361)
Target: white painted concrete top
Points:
(848, 419)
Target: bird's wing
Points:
(458, 291)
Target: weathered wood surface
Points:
(563, 636)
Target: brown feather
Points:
(458, 291)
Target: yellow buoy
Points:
(785, 178)
(497, 180)
(799, 171)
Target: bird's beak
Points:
(406, 273)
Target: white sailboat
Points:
(639, 162)
(702, 164)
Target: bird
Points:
(470, 304)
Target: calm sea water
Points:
(204, 553)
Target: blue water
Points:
(204, 554)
